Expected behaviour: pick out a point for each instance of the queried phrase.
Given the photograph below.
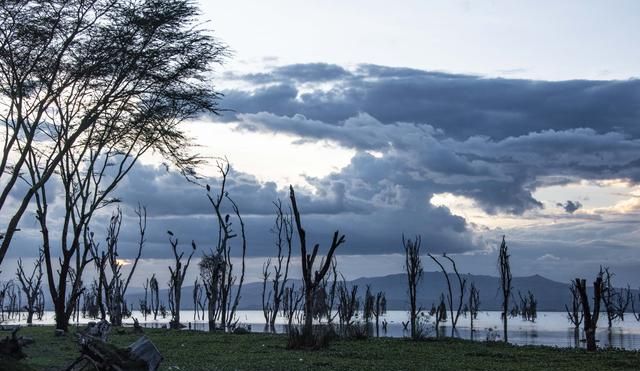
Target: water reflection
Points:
(551, 328)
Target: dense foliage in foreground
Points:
(190, 350)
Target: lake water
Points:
(550, 328)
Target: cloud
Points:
(570, 206)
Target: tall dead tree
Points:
(80, 73)
(311, 277)
(413, 267)
(220, 276)
(155, 296)
(31, 285)
(272, 299)
(505, 284)
(177, 273)
(616, 301)
(474, 304)
(462, 283)
(590, 319)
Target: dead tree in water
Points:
(413, 267)
(310, 277)
(283, 231)
(616, 302)
(474, 304)
(31, 286)
(379, 309)
(348, 303)
(505, 284)
(462, 283)
(178, 272)
(155, 296)
(590, 319)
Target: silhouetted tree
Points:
(616, 301)
(379, 309)
(474, 304)
(505, 284)
(97, 86)
(413, 267)
(348, 303)
(590, 319)
(178, 272)
(31, 286)
(311, 278)
(283, 231)
(221, 277)
(155, 296)
(461, 290)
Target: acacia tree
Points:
(505, 284)
(31, 286)
(413, 267)
(311, 278)
(271, 300)
(462, 283)
(73, 70)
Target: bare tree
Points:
(178, 272)
(310, 277)
(616, 301)
(31, 286)
(348, 303)
(75, 73)
(198, 300)
(505, 284)
(413, 267)
(380, 309)
(292, 300)
(144, 304)
(283, 231)
(462, 282)
(590, 319)
(474, 304)
(155, 296)
(220, 281)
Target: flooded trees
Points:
(505, 284)
(413, 267)
(462, 283)
(590, 318)
(311, 277)
(474, 304)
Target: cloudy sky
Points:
(460, 121)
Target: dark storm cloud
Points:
(461, 105)
(570, 206)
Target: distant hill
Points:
(551, 295)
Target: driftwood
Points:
(97, 355)
(12, 345)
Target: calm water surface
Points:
(551, 328)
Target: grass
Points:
(191, 350)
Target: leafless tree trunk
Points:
(178, 272)
(271, 300)
(616, 302)
(413, 267)
(590, 319)
(461, 287)
(155, 296)
(310, 277)
(505, 284)
(31, 286)
(474, 304)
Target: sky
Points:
(461, 121)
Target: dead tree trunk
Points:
(178, 272)
(31, 285)
(590, 319)
(310, 278)
(413, 266)
(505, 284)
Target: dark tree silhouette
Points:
(505, 284)
(31, 285)
(413, 267)
(474, 304)
(178, 272)
(462, 283)
(616, 301)
(155, 296)
(311, 278)
(100, 81)
(590, 319)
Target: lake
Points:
(550, 328)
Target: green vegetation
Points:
(191, 350)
